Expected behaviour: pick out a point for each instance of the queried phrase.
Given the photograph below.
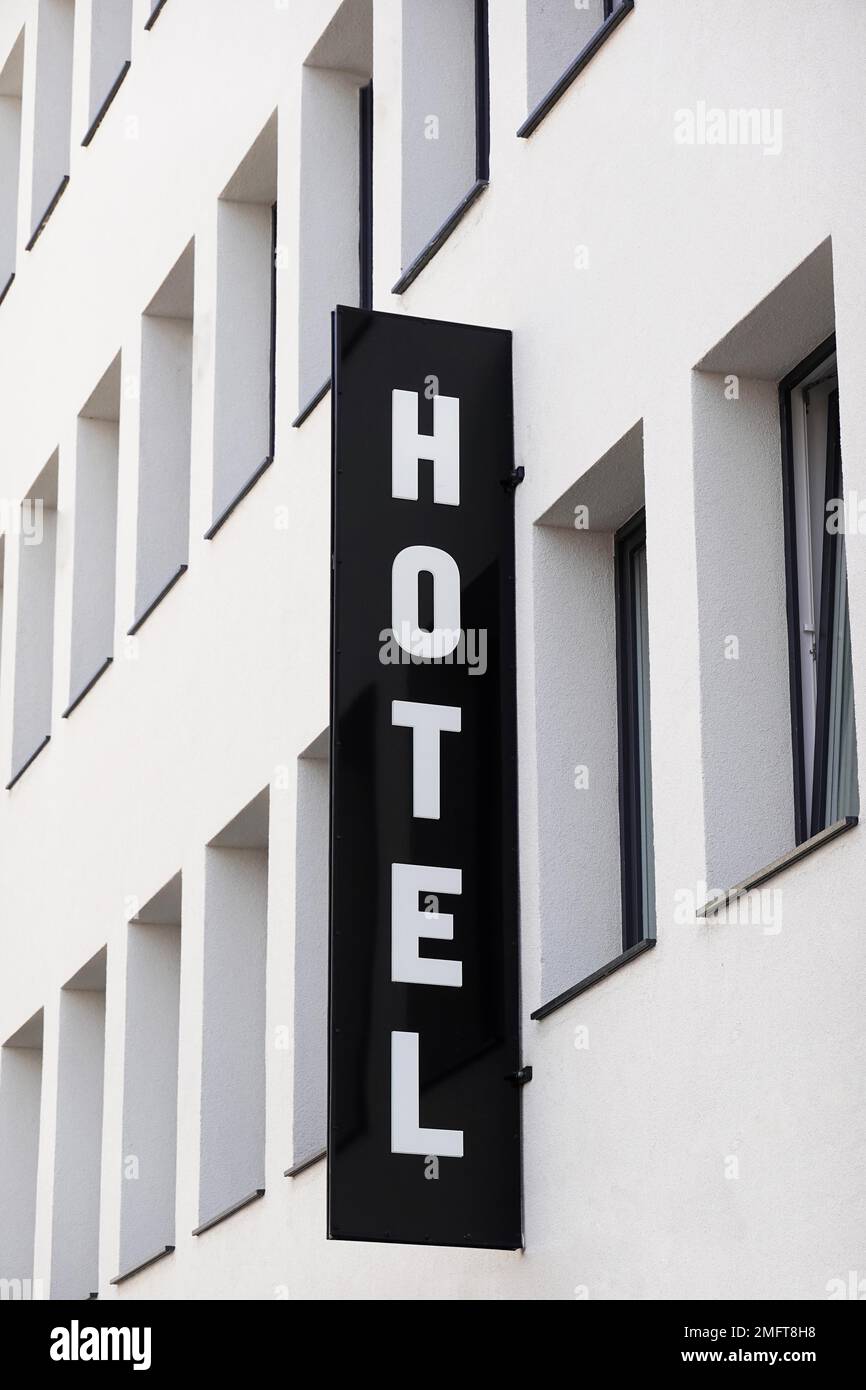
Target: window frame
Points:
(154, 14)
(613, 16)
(832, 558)
(628, 541)
(482, 152)
(107, 100)
(805, 826)
(272, 380)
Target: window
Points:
(232, 1169)
(749, 648)
(53, 116)
(244, 423)
(336, 232)
(561, 37)
(110, 49)
(633, 702)
(95, 549)
(78, 1139)
(309, 1122)
(34, 644)
(446, 123)
(825, 745)
(20, 1105)
(165, 436)
(150, 1067)
(595, 842)
(11, 83)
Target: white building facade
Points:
(664, 203)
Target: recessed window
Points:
(78, 1136)
(760, 620)
(51, 134)
(823, 685)
(633, 703)
(34, 641)
(20, 1106)
(446, 122)
(595, 842)
(149, 1158)
(336, 193)
(165, 433)
(11, 84)
(561, 38)
(244, 424)
(95, 550)
(233, 1050)
(309, 1121)
(110, 53)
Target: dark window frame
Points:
(830, 562)
(805, 821)
(154, 15)
(44, 219)
(628, 540)
(272, 402)
(613, 17)
(106, 103)
(482, 152)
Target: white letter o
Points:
(445, 635)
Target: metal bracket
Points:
(514, 478)
(521, 1077)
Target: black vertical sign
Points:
(424, 1110)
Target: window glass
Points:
(633, 700)
(829, 751)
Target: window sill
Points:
(306, 1163)
(595, 978)
(236, 500)
(7, 287)
(778, 866)
(155, 15)
(87, 688)
(139, 622)
(440, 237)
(112, 93)
(32, 759)
(537, 115)
(311, 405)
(145, 1264)
(41, 224)
(229, 1211)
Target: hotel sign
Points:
(424, 1106)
